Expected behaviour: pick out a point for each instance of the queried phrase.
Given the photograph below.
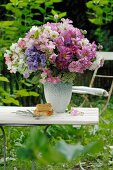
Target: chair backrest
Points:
(107, 56)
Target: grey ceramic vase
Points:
(59, 95)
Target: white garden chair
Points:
(85, 91)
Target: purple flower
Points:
(62, 63)
(26, 75)
(80, 66)
(64, 58)
(35, 58)
(65, 52)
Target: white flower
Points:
(84, 42)
(44, 75)
(14, 56)
(97, 63)
(47, 28)
(21, 61)
(14, 69)
(54, 34)
(56, 16)
(34, 28)
(15, 48)
(8, 52)
(9, 66)
(22, 55)
(20, 39)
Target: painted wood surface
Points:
(10, 116)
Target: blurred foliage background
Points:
(87, 147)
(17, 17)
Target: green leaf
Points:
(35, 79)
(36, 34)
(48, 4)
(89, 4)
(97, 21)
(25, 83)
(9, 100)
(53, 12)
(69, 151)
(63, 14)
(41, 9)
(40, 1)
(5, 24)
(2, 78)
(56, 1)
(3, 92)
(68, 77)
(93, 147)
(24, 153)
(31, 93)
(25, 93)
(14, 1)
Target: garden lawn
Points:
(103, 132)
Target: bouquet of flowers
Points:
(55, 52)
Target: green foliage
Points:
(10, 100)
(68, 77)
(85, 147)
(100, 12)
(39, 148)
(104, 36)
(25, 93)
(4, 79)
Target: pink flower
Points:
(66, 21)
(53, 58)
(47, 72)
(54, 26)
(75, 112)
(7, 59)
(65, 52)
(53, 80)
(53, 50)
(80, 65)
(21, 43)
(59, 42)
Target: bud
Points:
(100, 47)
(55, 16)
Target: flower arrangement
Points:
(55, 52)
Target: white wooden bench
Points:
(11, 116)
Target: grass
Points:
(103, 132)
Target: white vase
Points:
(59, 95)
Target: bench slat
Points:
(8, 116)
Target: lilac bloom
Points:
(35, 58)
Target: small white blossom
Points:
(84, 41)
(9, 65)
(56, 16)
(97, 63)
(34, 28)
(8, 52)
(14, 69)
(15, 48)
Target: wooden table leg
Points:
(33, 165)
